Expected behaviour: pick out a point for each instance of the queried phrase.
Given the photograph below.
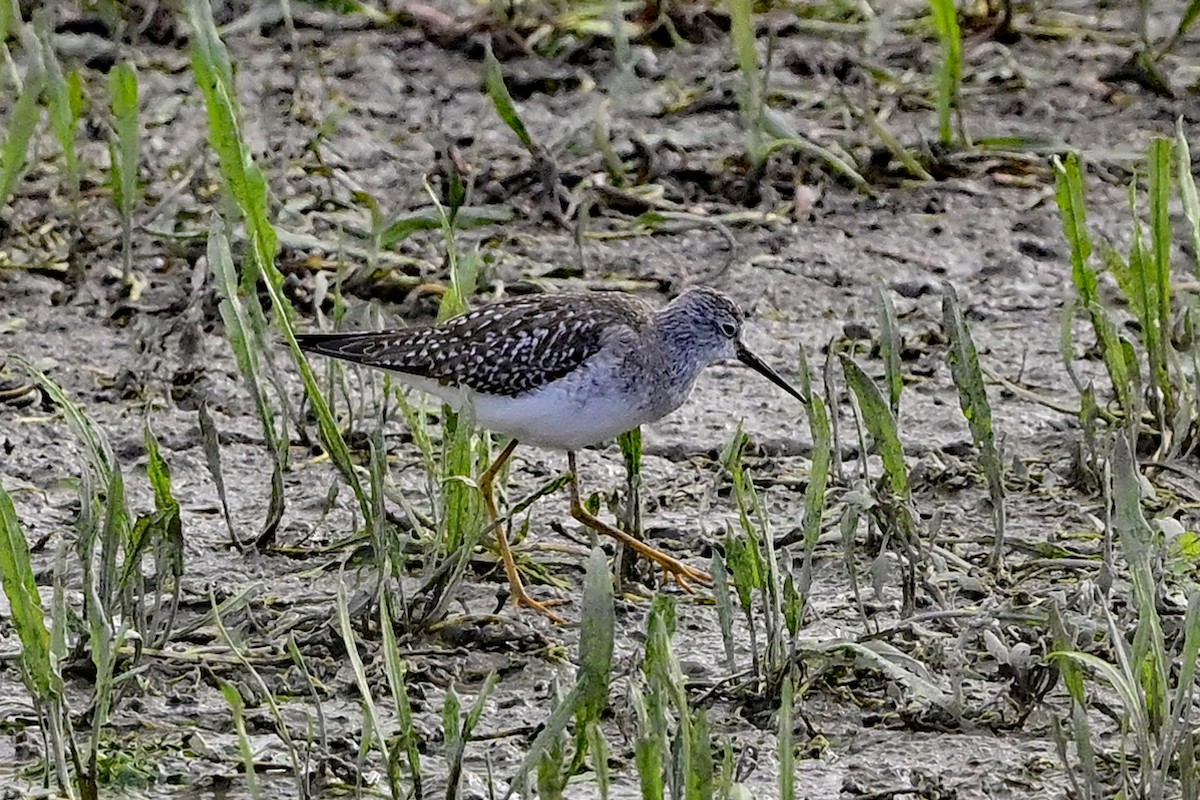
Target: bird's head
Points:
(712, 325)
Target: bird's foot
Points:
(522, 598)
(675, 570)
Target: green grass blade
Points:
(822, 458)
(1111, 674)
(456, 744)
(724, 603)
(402, 226)
(360, 677)
(945, 21)
(744, 563)
(1073, 680)
(210, 441)
(493, 81)
(701, 769)
(123, 151)
(1179, 747)
(245, 182)
(20, 125)
(243, 179)
(1187, 187)
(7, 15)
(1072, 208)
(589, 697)
(553, 771)
(1186, 20)
(115, 535)
(1137, 547)
(889, 350)
(649, 748)
(973, 399)
(750, 98)
(664, 676)
(25, 604)
(630, 443)
(462, 522)
(877, 416)
(394, 668)
(787, 752)
(64, 101)
(237, 709)
(1159, 276)
(552, 728)
(102, 514)
(1159, 158)
(239, 331)
(598, 747)
(460, 496)
(1185, 685)
(166, 524)
(596, 637)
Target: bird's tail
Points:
(373, 349)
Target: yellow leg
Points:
(672, 568)
(516, 587)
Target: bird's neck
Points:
(682, 359)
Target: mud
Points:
(359, 111)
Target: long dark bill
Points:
(758, 365)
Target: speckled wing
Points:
(506, 348)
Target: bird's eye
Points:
(728, 329)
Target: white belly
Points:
(557, 418)
(583, 408)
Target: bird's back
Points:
(506, 348)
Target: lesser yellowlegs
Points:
(562, 371)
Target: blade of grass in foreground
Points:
(458, 734)
(787, 753)
(889, 349)
(123, 153)
(372, 731)
(597, 632)
(750, 98)
(239, 331)
(462, 522)
(877, 416)
(588, 698)
(20, 126)
(245, 182)
(822, 458)
(25, 604)
(103, 516)
(493, 82)
(395, 669)
(64, 100)
(1137, 545)
(945, 21)
(1072, 206)
(1158, 276)
(631, 452)
(973, 399)
(899, 516)
(1187, 191)
(237, 708)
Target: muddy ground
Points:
(363, 111)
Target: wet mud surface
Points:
(360, 112)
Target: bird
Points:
(562, 371)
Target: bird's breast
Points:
(593, 404)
